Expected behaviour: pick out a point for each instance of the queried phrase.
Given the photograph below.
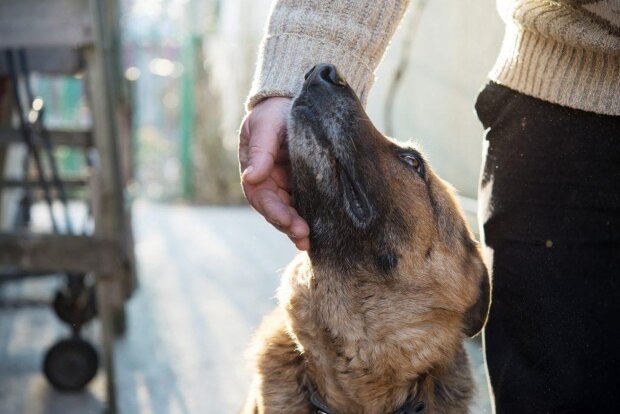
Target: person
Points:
(550, 187)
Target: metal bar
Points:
(25, 203)
(26, 134)
(47, 144)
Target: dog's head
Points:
(377, 205)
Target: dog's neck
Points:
(357, 354)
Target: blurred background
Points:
(202, 267)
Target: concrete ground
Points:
(207, 275)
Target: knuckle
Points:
(255, 149)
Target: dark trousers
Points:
(550, 196)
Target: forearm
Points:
(351, 34)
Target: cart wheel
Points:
(70, 364)
(75, 308)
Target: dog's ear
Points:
(476, 316)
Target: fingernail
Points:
(248, 170)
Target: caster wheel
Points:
(76, 309)
(70, 364)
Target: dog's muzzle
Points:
(324, 75)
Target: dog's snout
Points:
(324, 74)
(307, 75)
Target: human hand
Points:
(265, 168)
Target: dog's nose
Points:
(324, 73)
(310, 72)
(330, 74)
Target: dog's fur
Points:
(377, 311)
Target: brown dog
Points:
(373, 318)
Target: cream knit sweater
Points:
(562, 51)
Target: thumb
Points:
(263, 144)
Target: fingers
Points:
(282, 177)
(283, 156)
(301, 244)
(258, 147)
(274, 205)
(263, 159)
(299, 233)
(261, 137)
(244, 141)
(284, 196)
(279, 212)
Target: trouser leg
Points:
(550, 200)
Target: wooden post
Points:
(108, 198)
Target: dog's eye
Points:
(412, 161)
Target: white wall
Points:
(231, 51)
(453, 50)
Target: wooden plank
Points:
(53, 60)
(66, 137)
(70, 183)
(35, 23)
(60, 253)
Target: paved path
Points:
(207, 275)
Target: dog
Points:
(372, 319)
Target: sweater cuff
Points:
(286, 58)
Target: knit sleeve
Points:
(351, 34)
